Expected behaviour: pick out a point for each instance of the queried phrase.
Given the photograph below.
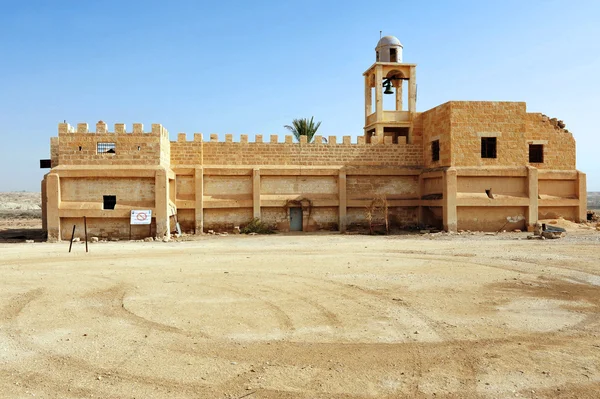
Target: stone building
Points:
(461, 165)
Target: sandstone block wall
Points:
(311, 154)
(559, 144)
(470, 121)
(513, 128)
(436, 126)
(79, 146)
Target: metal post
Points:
(85, 230)
(72, 236)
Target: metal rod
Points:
(72, 236)
(85, 230)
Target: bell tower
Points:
(386, 76)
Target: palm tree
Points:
(304, 127)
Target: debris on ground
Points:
(543, 231)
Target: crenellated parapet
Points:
(288, 139)
(119, 128)
(275, 150)
(80, 146)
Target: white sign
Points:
(141, 217)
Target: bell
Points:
(388, 87)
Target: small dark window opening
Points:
(536, 153)
(106, 148)
(377, 56)
(80, 148)
(435, 150)
(393, 55)
(109, 202)
(139, 147)
(488, 147)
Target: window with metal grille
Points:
(109, 202)
(106, 148)
(488, 147)
(435, 150)
(536, 153)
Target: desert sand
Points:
(303, 316)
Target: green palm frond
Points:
(304, 127)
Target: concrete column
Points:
(378, 93)
(199, 193)
(582, 195)
(368, 98)
(342, 200)
(256, 192)
(399, 95)
(53, 206)
(450, 215)
(532, 192)
(420, 210)
(161, 203)
(412, 90)
(173, 190)
(44, 209)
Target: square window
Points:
(536, 153)
(435, 150)
(106, 148)
(109, 202)
(488, 147)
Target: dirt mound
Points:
(565, 224)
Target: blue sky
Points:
(251, 67)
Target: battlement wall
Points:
(80, 146)
(320, 152)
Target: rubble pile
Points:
(546, 232)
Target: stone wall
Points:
(131, 192)
(436, 126)
(186, 153)
(312, 154)
(393, 187)
(514, 130)
(559, 144)
(79, 146)
(485, 218)
(470, 121)
(105, 228)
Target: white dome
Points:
(389, 49)
(389, 41)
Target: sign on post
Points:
(141, 217)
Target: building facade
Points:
(459, 166)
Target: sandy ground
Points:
(314, 316)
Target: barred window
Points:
(109, 202)
(488, 147)
(536, 153)
(106, 148)
(435, 150)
